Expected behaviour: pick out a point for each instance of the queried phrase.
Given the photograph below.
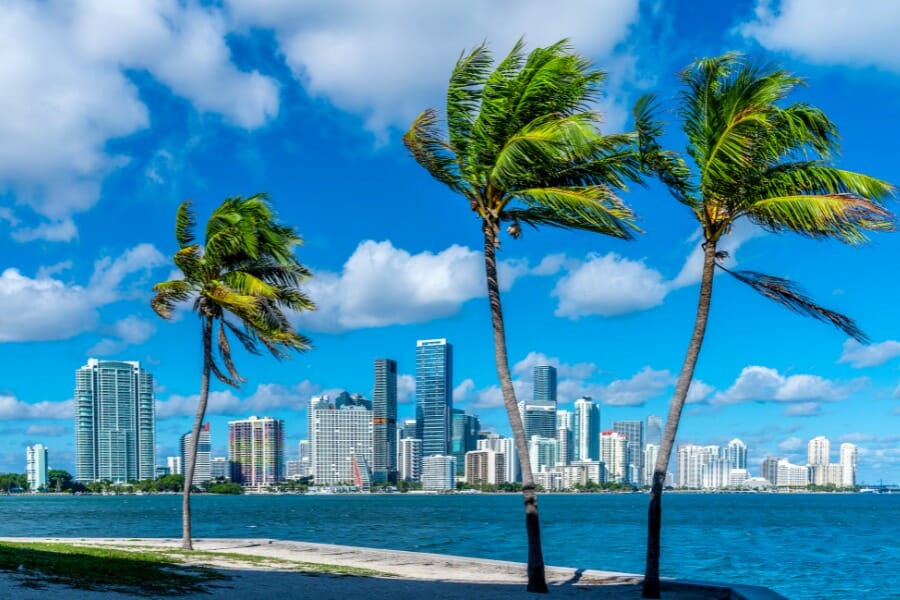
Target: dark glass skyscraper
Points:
(539, 414)
(545, 384)
(384, 421)
(434, 395)
(465, 437)
(634, 449)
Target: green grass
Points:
(98, 567)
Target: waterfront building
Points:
(818, 451)
(544, 384)
(345, 398)
(292, 469)
(36, 467)
(434, 395)
(485, 467)
(439, 472)
(848, 465)
(634, 449)
(115, 422)
(543, 452)
(202, 472)
(699, 467)
(315, 403)
(566, 448)
(384, 421)
(586, 436)
(551, 481)
(564, 419)
(162, 471)
(174, 465)
(219, 468)
(768, 469)
(737, 477)
(339, 436)
(538, 418)
(465, 437)
(256, 451)
(736, 452)
(584, 472)
(654, 430)
(651, 453)
(410, 463)
(303, 455)
(507, 447)
(409, 428)
(613, 453)
(790, 475)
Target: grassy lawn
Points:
(97, 567)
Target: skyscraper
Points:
(36, 466)
(545, 384)
(434, 395)
(736, 453)
(115, 422)
(438, 472)
(256, 451)
(586, 436)
(410, 459)
(202, 471)
(634, 449)
(342, 443)
(848, 465)
(384, 421)
(613, 453)
(818, 450)
(464, 438)
(654, 430)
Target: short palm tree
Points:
(757, 158)
(522, 146)
(241, 280)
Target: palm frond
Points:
(225, 353)
(168, 295)
(189, 259)
(786, 293)
(464, 96)
(589, 208)
(185, 222)
(667, 165)
(430, 149)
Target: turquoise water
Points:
(801, 545)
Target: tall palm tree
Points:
(758, 158)
(522, 145)
(241, 279)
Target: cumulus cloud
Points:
(642, 386)
(699, 392)
(47, 308)
(267, 397)
(526, 366)
(381, 285)
(803, 393)
(791, 444)
(14, 409)
(70, 64)
(406, 388)
(862, 33)
(387, 61)
(742, 232)
(130, 331)
(872, 355)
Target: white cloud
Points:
(12, 408)
(861, 33)
(69, 64)
(608, 285)
(564, 371)
(381, 285)
(791, 444)
(388, 61)
(871, 355)
(406, 388)
(742, 231)
(803, 393)
(699, 392)
(267, 397)
(642, 386)
(130, 331)
(461, 391)
(49, 309)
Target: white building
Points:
(818, 451)
(790, 475)
(543, 452)
(202, 472)
(736, 453)
(485, 467)
(507, 447)
(613, 453)
(651, 454)
(439, 472)
(410, 460)
(699, 467)
(737, 477)
(848, 465)
(337, 436)
(219, 468)
(36, 467)
(174, 464)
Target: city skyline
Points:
(274, 111)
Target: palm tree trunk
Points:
(195, 435)
(654, 516)
(536, 579)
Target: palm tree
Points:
(756, 159)
(245, 269)
(522, 146)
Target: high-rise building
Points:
(651, 454)
(315, 403)
(538, 419)
(507, 447)
(736, 453)
(566, 449)
(848, 465)
(303, 455)
(174, 465)
(701, 467)
(545, 384)
(384, 421)
(438, 472)
(634, 449)
(485, 467)
(789, 475)
(409, 428)
(115, 422)
(202, 472)
(587, 430)
(219, 468)
(768, 469)
(543, 452)
(434, 395)
(654, 430)
(465, 437)
(410, 462)
(36, 467)
(613, 453)
(818, 451)
(339, 437)
(564, 419)
(256, 451)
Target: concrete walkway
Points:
(401, 575)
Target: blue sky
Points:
(114, 113)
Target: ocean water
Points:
(825, 546)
